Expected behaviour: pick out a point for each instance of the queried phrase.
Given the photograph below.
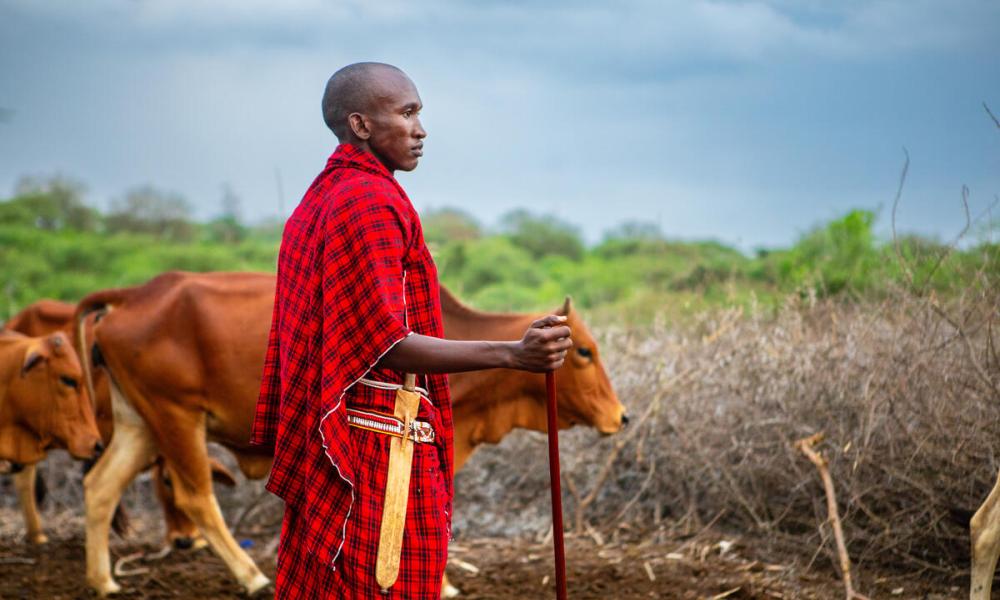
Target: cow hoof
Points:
(258, 583)
(450, 591)
(38, 538)
(106, 587)
(183, 543)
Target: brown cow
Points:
(42, 406)
(490, 404)
(45, 317)
(185, 353)
(42, 318)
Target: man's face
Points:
(396, 134)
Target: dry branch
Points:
(805, 445)
(990, 113)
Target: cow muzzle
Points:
(88, 448)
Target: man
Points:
(357, 306)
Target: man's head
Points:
(376, 107)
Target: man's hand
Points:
(544, 345)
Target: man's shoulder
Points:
(359, 191)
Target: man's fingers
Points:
(548, 321)
(555, 333)
(563, 345)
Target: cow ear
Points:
(32, 358)
(566, 307)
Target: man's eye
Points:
(408, 113)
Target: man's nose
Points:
(419, 132)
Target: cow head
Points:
(51, 403)
(585, 395)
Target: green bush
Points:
(52, 245)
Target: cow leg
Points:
(24, 483)
(448, 590)
(191, 480)
(181, 532)
(131, 450)
(984, 529)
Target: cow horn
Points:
(566, 307)
(57, 341)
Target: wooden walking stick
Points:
(397, 488)
(557, 518)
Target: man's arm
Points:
(543, 348)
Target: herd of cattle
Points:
(159, 370)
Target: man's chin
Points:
(409, 166)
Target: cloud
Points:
(553, 34)
(690, 109)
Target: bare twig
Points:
(805, 445)
(951, 246)
(613, 455)
(249, 509)
(990, 113)
(970, 351)
(638, 494)
(895, 205)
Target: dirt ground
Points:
(481, 568)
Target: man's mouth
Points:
(418, 150)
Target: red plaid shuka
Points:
(354, 278)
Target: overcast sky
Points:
(746, 122)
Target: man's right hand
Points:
(544, 345)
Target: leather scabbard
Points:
(397, 488)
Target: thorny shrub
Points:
(906, 392)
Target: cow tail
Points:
(101, 303)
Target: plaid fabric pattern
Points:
(354, 278)
(425, 536)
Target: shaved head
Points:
(376, 108)
(354, 89)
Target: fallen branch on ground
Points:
(805, 445)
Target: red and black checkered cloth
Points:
(354, 278)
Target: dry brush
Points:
(905, 391)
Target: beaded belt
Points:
(421, 432)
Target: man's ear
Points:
(359, 125)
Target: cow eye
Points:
(584, 352)
(68, 381)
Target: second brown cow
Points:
(42, 406)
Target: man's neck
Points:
(363, 145)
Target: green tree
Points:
(146, 209)
(50, 203)
(228, 227)
(840, 256)
(542, 235)
(445, 225)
